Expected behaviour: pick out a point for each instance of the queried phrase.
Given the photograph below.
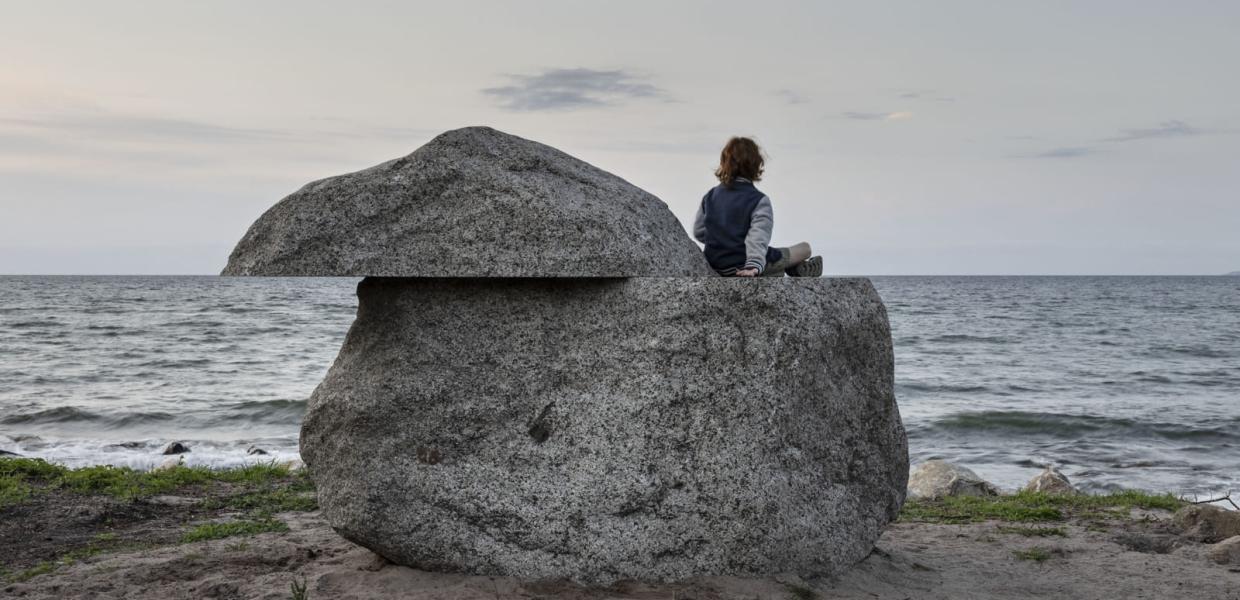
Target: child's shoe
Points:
(812, 267)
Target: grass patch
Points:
(1033, 554)
(39, 569)
(215, 531)
(1032, 507)
(13, 491)
(297, 589)
(1035, 531)
(21, 477)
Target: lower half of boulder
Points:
(598, 430)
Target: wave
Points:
(272, 412)
(73, 414)
(948, 388)
(1024, 423)
(60, 414)
(1195, 351)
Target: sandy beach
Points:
(257, 534)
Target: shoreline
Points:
(256, 533)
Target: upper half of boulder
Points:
(473, 202)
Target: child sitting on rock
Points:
(735, 220)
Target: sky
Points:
(947, 137)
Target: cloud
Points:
(1066, 152)
(790, 96)
(1164, 130)
(877, 116)
(569, 89)
(924, 95)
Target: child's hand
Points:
(747, 273)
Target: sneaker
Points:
(812, 267)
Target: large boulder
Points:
(596, 430)
(473, 202)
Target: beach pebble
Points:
(1050, 481)
(1226, 552)
(936, 479)
(1206, 523)
(176, 448)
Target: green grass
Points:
(39, 569)
(1033, 554)
(21, 477)
(216, 531)
(1035, 531)
(1032, 507)
(13, 491)
(297, 590)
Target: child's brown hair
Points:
(741, 157)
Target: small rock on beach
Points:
(936, 479)
(1050, 481)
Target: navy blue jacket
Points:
(735, 223)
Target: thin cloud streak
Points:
(791, 97)
(571, 89)
(1165, 130)
(877, 116)
(1066, 152)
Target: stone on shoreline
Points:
(607, 429)
(1206, 523)
(935, 479)
(1226, 552)
(473, 202)
(171, 462)
(1050, 481)
(176, 448)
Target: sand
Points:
(911, 561)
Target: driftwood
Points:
(1213, 500)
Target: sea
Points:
(1120, 382)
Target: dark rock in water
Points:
(7, 453)
(255, 451)
(128, 445)
(607, 429)
(472, 202)
(176, 448)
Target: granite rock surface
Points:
(473, 202)
(608, 429)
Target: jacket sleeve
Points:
(699, 223)
(761, 222)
